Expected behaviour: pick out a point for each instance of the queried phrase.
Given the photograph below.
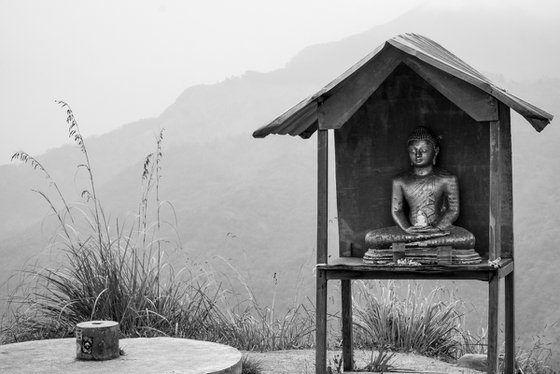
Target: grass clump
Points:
(256, 328)
(111, 271)
(381, 362)
(428, 325)
(247, 325)
(536, 358)
(250, 365)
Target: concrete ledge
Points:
(142, 355)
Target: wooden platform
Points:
(142, 355)
(354, 268)
(347, 269)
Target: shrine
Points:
(423, 168)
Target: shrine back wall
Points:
(371, 150)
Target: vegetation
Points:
(114, 270)
(381, 362)
(120, 272)
(428, 325)
(250, 365)
(536, 359)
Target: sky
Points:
(117, 61)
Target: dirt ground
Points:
(303, 362)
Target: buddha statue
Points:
(425, 202)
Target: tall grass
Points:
(245, 323)
(123, 272)
(255, 328)
(117, 274)
(536, 358)
(429, 324)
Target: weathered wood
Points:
(495, 203)
(349, 263)
(506, 267)
(431, 53)
(97, 340)
(347, 332)
(351, 94)
(509, 323)
(321, 323)
(322, 251)
(481, 106)
(322, 195)
(506, 186)
(408, 274)
(493, 309)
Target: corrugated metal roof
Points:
(302, 119)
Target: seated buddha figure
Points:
(425, 202)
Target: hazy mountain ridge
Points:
(262, 191)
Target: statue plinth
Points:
(422, 256)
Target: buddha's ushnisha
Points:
(425, 202)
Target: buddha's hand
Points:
(423, 230)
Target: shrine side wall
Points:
(370, 149)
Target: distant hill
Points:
(262, 192)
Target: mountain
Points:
(252, 201)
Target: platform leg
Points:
(347, 334)
(321, 324)
(509, 324)
(493, 307)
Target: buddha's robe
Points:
(432, 201)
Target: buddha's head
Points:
(423, 147)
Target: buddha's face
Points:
(421, 153)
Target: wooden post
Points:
(347, 333)
(493, 308)
(495, 221)
(322, 251)
(509, 324)
(97, 340)
(506, 185)
(321, 324)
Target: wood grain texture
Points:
(493, 309)
(351, 94)
(97, 340)
(354, 268)
(509, 356)
(322, 195)
(506, 185)
(321, 324)
(479, 105)
(347, 331)
(495, 203)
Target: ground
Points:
(303, 362)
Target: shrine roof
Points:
(426, 56)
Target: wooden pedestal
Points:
(347, 269)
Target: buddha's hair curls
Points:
(423, 133)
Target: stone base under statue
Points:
(421, 256)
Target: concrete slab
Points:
(142, 355)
